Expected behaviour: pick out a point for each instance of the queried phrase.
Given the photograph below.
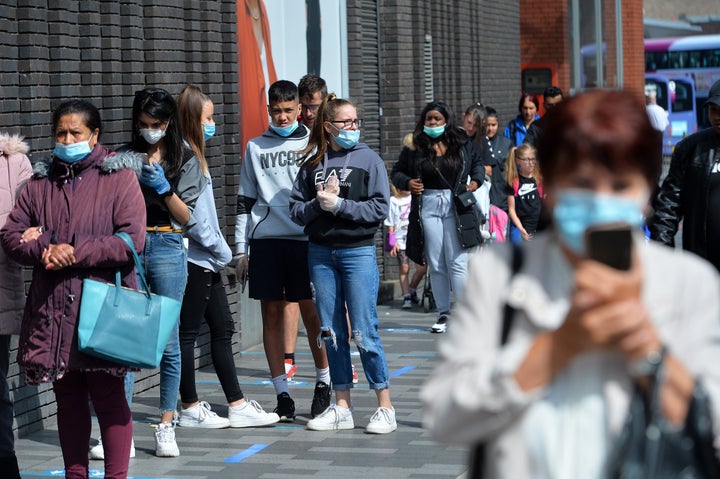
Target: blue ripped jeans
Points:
(165, 263)
(349, 276)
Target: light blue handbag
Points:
(124, 325)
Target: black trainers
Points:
(414, 298)
(321, 399)
(285, 408)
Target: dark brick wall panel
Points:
(476, 56)
(104, 51)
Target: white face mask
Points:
(152, 136)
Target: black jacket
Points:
(408, 167)
(684, 194)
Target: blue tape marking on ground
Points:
(250, 451)
(92, 473)
(404, 330)
(402, 371)
(355, 353)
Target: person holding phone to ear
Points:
(597, 318)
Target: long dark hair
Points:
(159, 104)
(317, 146)
(453, 136)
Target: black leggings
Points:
(205, 298)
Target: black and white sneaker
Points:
(285, 408)
(440, 325)
(321, 399)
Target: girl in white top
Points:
(397, 225)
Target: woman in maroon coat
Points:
(77, 201)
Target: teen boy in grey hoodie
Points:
(272, 249)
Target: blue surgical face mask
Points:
(577, 210)
(347, 139)
(73, 152)
(208, 130)
(434, 131)
(286, 130)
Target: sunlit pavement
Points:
(289, 450)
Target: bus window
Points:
(682, 96)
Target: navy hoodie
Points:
(365, 190)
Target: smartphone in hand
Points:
(611, 245)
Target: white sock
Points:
(240, 406)
(280, 384)
(322, 375)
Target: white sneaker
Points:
(165, 445)
(407, 302)
(440, 325)
(333, 418)
(201, 415)
(98, 453)
(382, 422)
(250, 414)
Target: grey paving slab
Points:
(289, 450)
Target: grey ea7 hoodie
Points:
(266, 179)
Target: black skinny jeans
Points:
(205, 298)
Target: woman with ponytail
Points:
(341, 196)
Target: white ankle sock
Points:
(322, 375)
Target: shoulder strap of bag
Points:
(477, 454)
(509, 311)
(138, 265)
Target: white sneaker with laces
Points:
(407, 303)
(334, 418)
(165, 445)
(201, 415)
(250, 414)
(97, 452)
(440, 325)
(382, 422)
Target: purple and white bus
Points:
(697, 57)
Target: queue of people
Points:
(535, 344)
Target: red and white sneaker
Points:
(355, 375)
(290, 369)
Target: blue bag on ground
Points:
(124, 325)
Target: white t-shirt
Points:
(398, 218)
(658, 116)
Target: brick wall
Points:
(544, 38)
(476, 56)
(633, 48)
(104, 51)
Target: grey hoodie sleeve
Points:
(205, 233)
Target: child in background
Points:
(397, 224)
(524, 192)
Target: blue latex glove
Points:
(153, 176)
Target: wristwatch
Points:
(168, 193)
(649, 365)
